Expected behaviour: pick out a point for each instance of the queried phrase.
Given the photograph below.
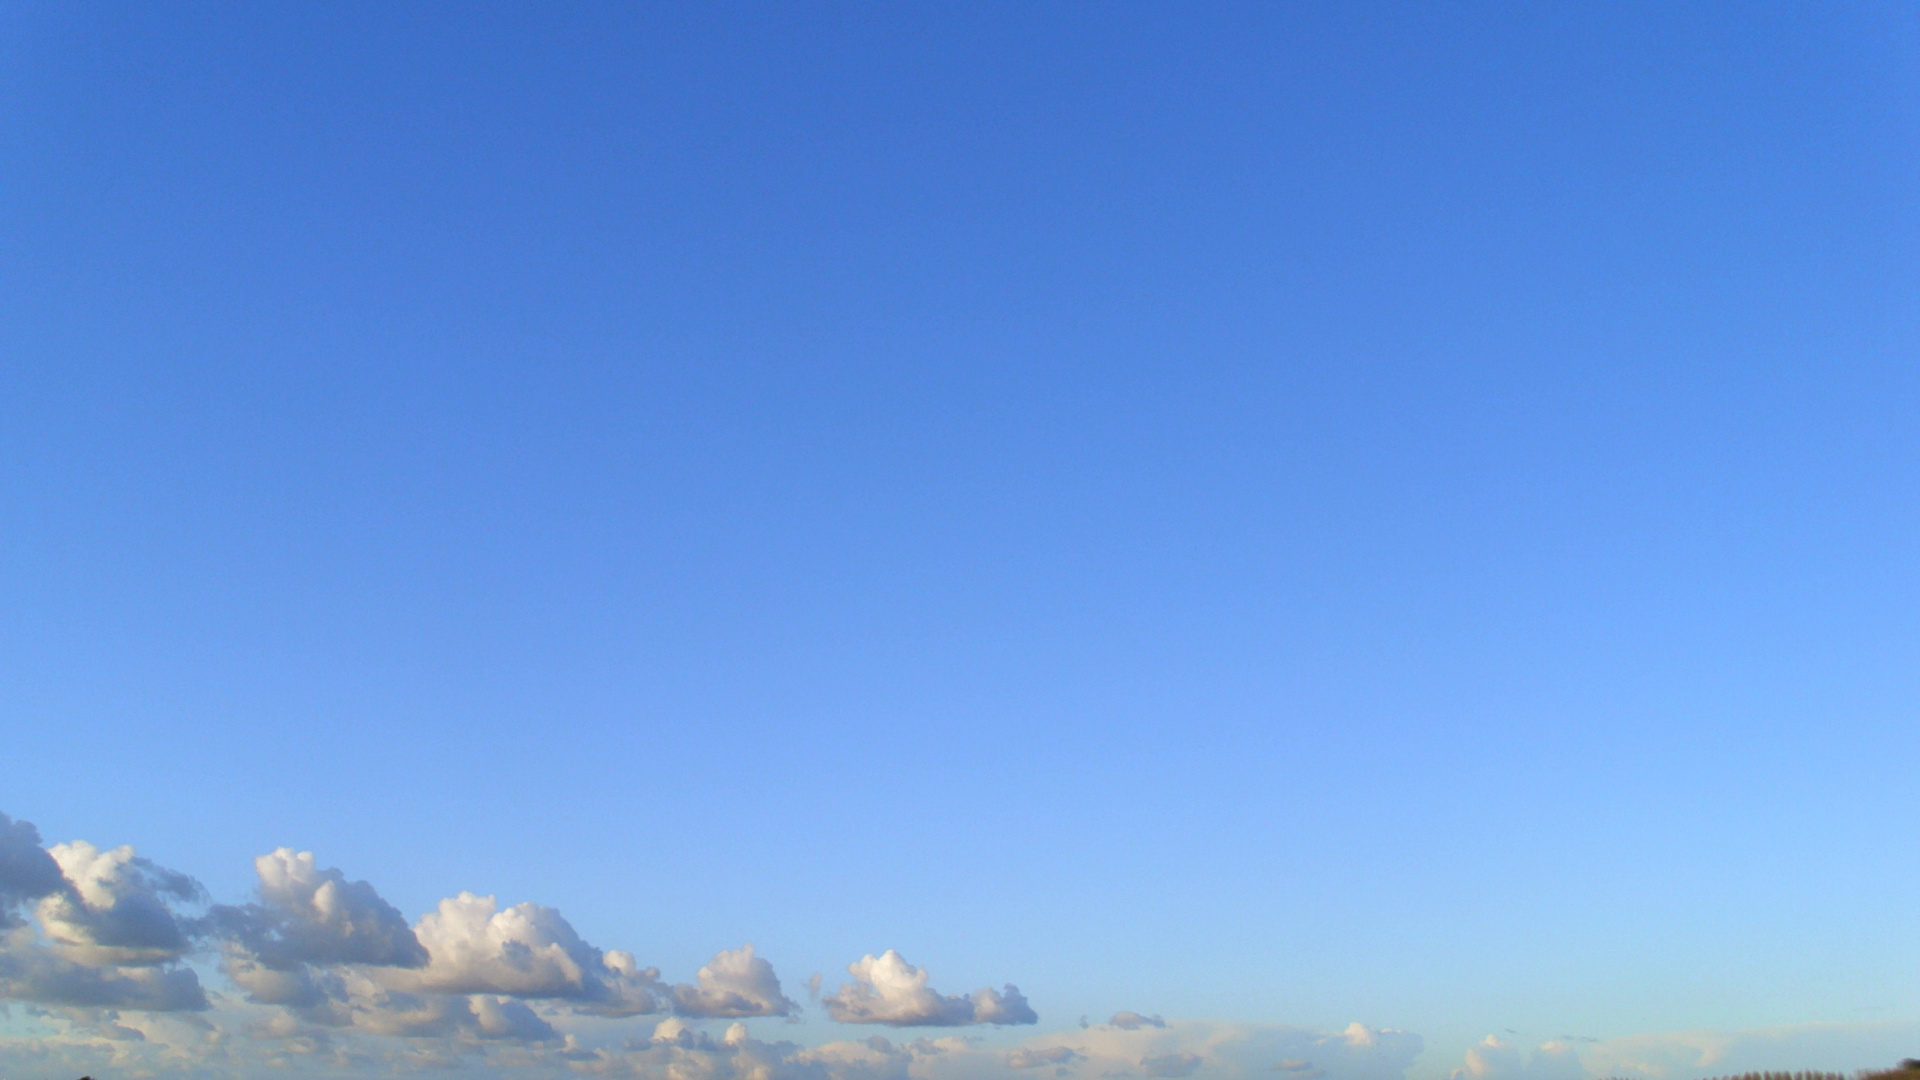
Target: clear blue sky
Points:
(1276, 513)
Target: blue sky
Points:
(1262, 515)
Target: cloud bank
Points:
(105, 950)
(102, 955)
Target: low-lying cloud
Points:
(102, 945)
(309, 915)
(320, 975)
(888, 990)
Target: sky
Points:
(1076, 540)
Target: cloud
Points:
(735, 983)
(1496, 1059)
(1219, 1049)
(331, 980)
(527, 951)
(1025, 1058)
(888, 990)
(27, 872)
(115, 907)
(107, 934)
(32, 972)
(306, 915)
(1180, 1063)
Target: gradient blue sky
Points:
(1273, 513)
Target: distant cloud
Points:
(99, 943)
(888, 990)
(27, 871)
(32, 972)
(108, 934)
(1496, 1059)
(1177, 1064)
(1025, 1058)
(115, 908)
(306, 915)
(529, 951)
(733, 984)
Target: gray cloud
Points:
(888, 990)
(32, 972)
(27, 872)
(1036, 1057)
(1133, 1021)
(1177, 1064)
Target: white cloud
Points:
(115, 908)
(888, 990)
(1133, 1021)
(526, 951)
(735, 983)
(306, 915)
(1495, 1059)
(107, 937)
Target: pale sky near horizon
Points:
(1269, 516)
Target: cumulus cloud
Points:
(528, 951)
(32, 972)
(105, 933)
(115, 908)
(1133, 1021)
(27, 872)
(888, 990)
(307, 915)
(735, 983)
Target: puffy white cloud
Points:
(307, 915)
(527, 951)
(888, 990)
(734, 983)
(115, 907)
